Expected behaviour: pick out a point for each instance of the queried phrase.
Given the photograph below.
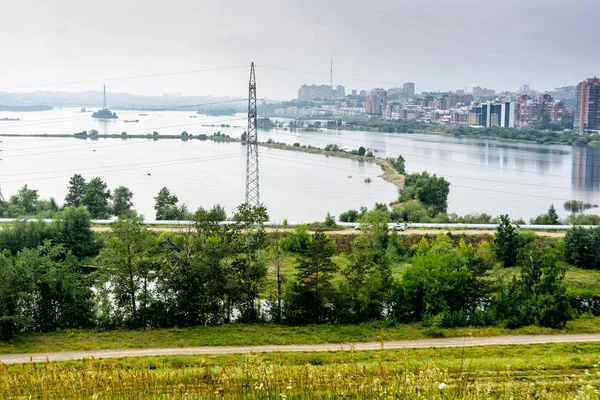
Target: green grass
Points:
(583, 281)
(580, 282)
(241, 334)
(548, 371)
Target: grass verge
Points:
(242, 334)
(552, 371)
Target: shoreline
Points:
(389, 174)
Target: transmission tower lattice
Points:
(252, 188)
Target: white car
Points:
(398, 227)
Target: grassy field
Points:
(554, 371)
(246, 334)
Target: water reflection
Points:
(586, 168)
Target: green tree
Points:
(176, 213)
(368, 276)
(505, 242)
(438, 281)
(14, 288)
(306, 299)
(552, 215)
(538, 296)
(329, 221)
(127, 263)
(545, 121)
(162, 201)
(74, 231)
(428, 189)
(398, 164)
(121, 201)
(95, 198)
(216, 213)
(276, 258)
(76, 191)
(550, 218)
(27, 199)
(61, 296)
(361, 151)
(349, 216)
(248, 268)
(297, 241)
(582, 247)
(219, 213)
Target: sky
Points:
(438, 44)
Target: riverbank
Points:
(389, 173)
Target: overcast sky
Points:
(439, 44)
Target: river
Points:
(485, 175)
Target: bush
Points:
(430, 190)
(298, 241)
(349, 216)
(581, 247)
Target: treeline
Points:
(423, 198)
(210, 275)
(98, 200)
(389, 126)
(523, 134)
(214, 274)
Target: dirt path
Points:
(409, 344)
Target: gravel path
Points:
(409, 344)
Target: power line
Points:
(336, 76)
(125, 78)
(71, 119)
(453, 185)
(140, 165)
(434, 158)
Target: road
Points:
(351, 231)
(408, 344)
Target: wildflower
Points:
(289, 388)
(442, 386)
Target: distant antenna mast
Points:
(252, 188)
(331, 74)
(104, 97)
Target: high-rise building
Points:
(587, 109)
(354, 92)
(483, 92)
(557, 111)
(409, 88)
(307, 93)
(376, 103)
(490, 114)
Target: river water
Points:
(485, 175)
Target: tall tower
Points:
(331, 74)
(252, 188)
(104, 108)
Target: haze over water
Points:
(485, 175)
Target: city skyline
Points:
(411, 43)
